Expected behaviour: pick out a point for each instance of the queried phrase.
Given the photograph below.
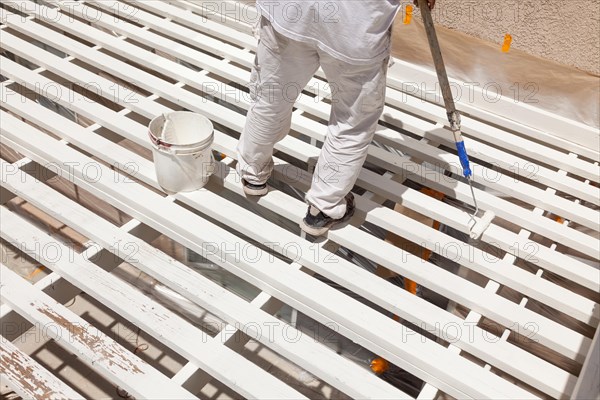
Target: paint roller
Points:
(479, 226)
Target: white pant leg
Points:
(282, 68)
(358, 99)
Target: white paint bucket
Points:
(181, 143)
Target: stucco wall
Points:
(564, 31)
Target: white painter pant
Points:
(282, 68)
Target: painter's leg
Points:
(282, 69)
(358, 99)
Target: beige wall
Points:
(564, 31)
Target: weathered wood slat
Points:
(26, 376)
(259, 325)
(229, 367)
(94, 348)
(383, 293)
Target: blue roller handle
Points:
(464, 158)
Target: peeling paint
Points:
(109, 351)
(14, 366)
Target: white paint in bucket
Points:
(181, 146)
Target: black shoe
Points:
(316, 223)
(254, 190)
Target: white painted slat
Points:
(588, 384)
(544, 226)
(193, 37)
(180, 32)
(484, 263)
(578, 238)
(590, 308)
(229, 367)
(585, 313)
(495, 235)
(27, 377)
(499, 113)
(108, 64)
(354, 320)
(205, 25)
(492, 179)
(574, 238)
(97, 350)
(503, 208)
(476, 148)
(191, 376)
(495, 136)
(315, 357)
(37, 113)
(519, 144)
(300, 154)
(242, 20)
(186, 99)
(296, 154)
(203, 60)
(521, 167)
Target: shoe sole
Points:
(323, 229)
(316, 231)
(256, 192)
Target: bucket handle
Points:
(162, 145)
(158, 141)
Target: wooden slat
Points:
(581, 308)
(563, 131)
(107, 118)
(183, 33)
(261, 326)
(205, 25)
(342, 268)
(521, 167)
(491, 179)
(438, 217)
(294, 288)
(128, 129)
(97, 350)
(573, 238)
(146, 175)
(479, 131)
(27, 377)
(243, 20)
(588, 384)
(157, 320)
